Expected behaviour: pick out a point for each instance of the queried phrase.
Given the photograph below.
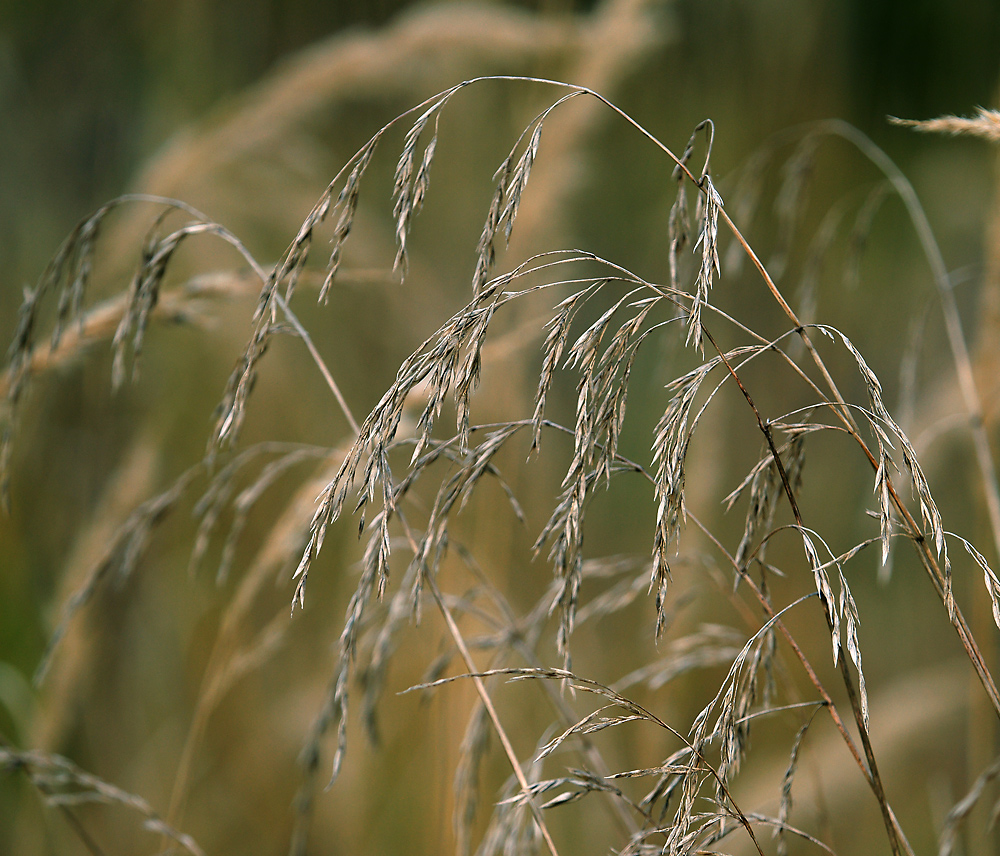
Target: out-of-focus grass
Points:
(127, 684)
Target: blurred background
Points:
(197, 694)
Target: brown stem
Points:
(927, 558)
(491, 711)
(875, 779)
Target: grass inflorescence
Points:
(405, 480)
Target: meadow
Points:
(526, 484)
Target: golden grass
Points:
(444, 599)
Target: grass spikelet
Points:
(929, 512)
(670, 446)
(766, 489)
(81, 247)
(708, 239)
(68, 274)
(433, 365)
(519, 180)
(824, 590)
(486, 248)
(678, 229)
(849, 615)
(408, 190)
(511, 181)
(555, 343)
(884, 501)
(347, 205)
(990, 579)
(144, 294)
(842, 613)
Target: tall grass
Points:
(634, 380)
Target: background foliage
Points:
(246, 110)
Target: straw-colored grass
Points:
(463, 488)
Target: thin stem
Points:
(765, 429)
(565, 713)
(491, 711)
(303, 334)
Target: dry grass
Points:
(781, 579)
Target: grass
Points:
(778, 634)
